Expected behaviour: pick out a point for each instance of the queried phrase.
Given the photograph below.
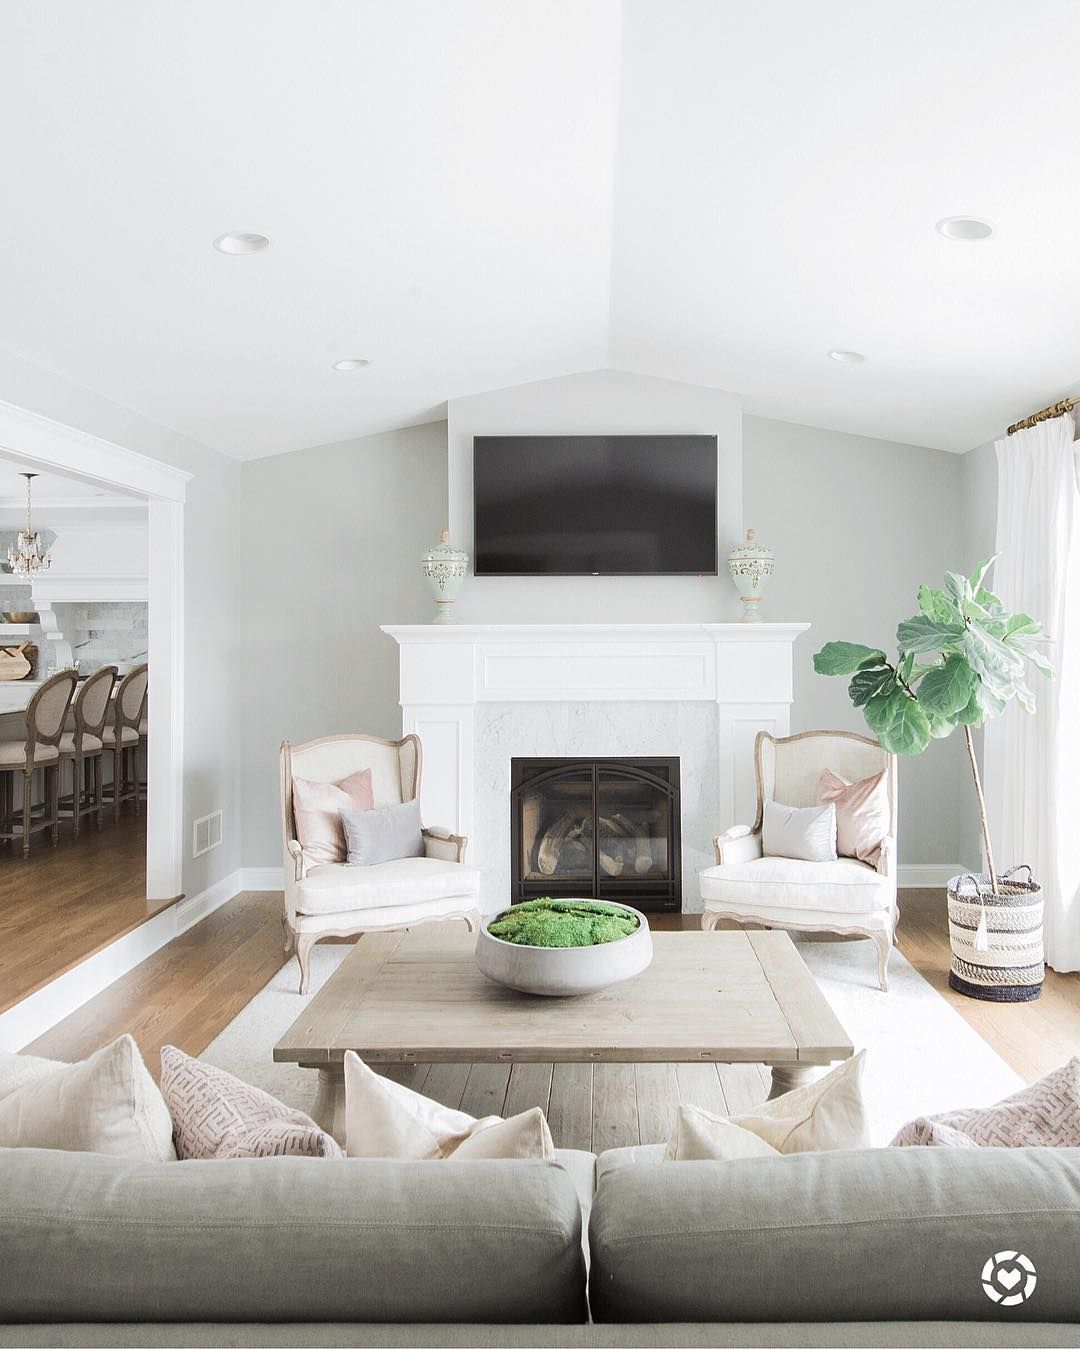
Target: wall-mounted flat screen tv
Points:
(594, 505)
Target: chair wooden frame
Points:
(125, 784)
(35, 736)
(87, 766)
(440, 844)
(742, 845)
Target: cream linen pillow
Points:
(19, 1070)
(862, 813)
(109, 1103)
(826, 1116)
(385, 1119)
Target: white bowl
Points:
(565, 971)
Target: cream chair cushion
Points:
(340, 888)
(842, 886)
(90, 743)
(13, 753)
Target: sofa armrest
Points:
(738, 844)
(444, 846)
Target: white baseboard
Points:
(36, 1014)
(261, 878)
(928, 875)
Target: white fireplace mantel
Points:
(451, 673)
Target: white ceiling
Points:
(476, 193)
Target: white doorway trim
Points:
(55, 446)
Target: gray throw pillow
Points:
(374, 836)
(807, 833)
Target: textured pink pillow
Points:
(317, 808)
(216, 1115)
(862, 813)
(1044, 1115)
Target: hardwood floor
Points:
(60, 905)
(188, 992)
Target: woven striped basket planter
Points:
(996, 940)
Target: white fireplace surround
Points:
(478, 695)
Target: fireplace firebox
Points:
(596, 829)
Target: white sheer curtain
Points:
(1033, 762)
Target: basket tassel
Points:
(982, 939)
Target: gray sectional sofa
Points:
(882, 1247)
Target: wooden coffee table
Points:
(417, 997)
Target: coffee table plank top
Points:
(418, 996)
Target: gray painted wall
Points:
(331, 540)
(857, 524)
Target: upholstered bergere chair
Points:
(339, 900)
(845, 896)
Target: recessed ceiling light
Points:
(965, 229)
(847, 357)
(241, 242)
(353, 363)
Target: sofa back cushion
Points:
(287, 1239)
(838, 1236)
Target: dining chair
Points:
(84, 746)
(40, 749)
(122, 738)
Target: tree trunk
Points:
(968, 740)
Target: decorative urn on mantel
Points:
(751, 565)
(445, 567)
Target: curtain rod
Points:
(1045, 415)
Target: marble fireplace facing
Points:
(481, 695)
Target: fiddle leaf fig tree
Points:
(962, 660)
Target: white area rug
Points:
(923, 1056)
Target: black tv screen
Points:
(594, 505)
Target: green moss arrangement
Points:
(563, 922)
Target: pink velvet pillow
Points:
(317, 808)
(862, 813)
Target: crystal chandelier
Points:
(28, 557)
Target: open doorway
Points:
(75, 721)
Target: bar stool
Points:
(45, 717)
(122, 737)
(84, 747)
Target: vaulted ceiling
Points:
(477, 193)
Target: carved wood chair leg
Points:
(117, 775)
(52, 778)
(99, 786)
(472, 922)
(77, 774)
(288, 932)
(27, 808)
(709, 921)
(304, 943)
(883, 943)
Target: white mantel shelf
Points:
(452, 674)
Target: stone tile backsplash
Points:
(104, 634)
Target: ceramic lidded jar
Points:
(445, 568)
(750, 565)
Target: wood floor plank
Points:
(657, 1101)
(485, 1089)
(445, 1083)
(570, 1105)
(699, 1084)
(530, 1086)
(615, 1109)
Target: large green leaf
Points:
(991, 704)
(865, 684)
(908, 731)
(958, 588)
(948, 688)
(976, 578)
(972, 714)
(927, 634)
(941, 727)
(844, 658)
(996, 664)
(880, 711)
(1031, 647)
(936, 604)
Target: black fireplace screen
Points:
(597, 829)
